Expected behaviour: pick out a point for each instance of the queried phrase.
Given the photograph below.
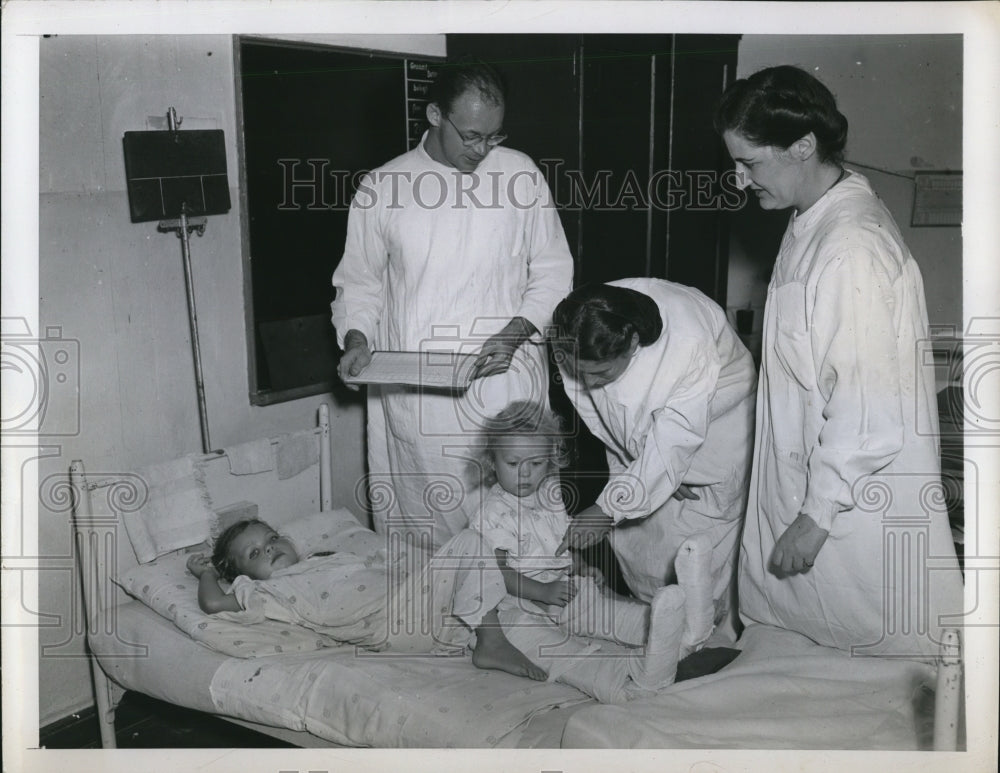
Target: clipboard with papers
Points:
(435, 369)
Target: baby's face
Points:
(259, 551)
(521, 463)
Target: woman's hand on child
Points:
(586, 570)
(586, 528)
(580, 568)
(199, 563)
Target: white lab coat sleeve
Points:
(677, 432)
(854, 349)
(550, 264)
(615, 465)
(359, 279)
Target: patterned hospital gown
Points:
(529, 529)
(375, 603)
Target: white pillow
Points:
(166, 586)
(332, 530)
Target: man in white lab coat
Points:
(451, 246)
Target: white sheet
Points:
(148, 653)
(359, 698)
(782, 692)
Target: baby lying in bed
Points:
(342, 595)
(447, 605)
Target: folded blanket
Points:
(177, 511)
(250, 458)
(295, 454)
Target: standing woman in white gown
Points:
(841, 529)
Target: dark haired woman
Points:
(840, 466)
(658, 375)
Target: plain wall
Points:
(118, 289)
(902, 96)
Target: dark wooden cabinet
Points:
(623, 85)
(543, 103)
(622, 127)
(697, 234)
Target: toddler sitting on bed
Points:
(524, 520)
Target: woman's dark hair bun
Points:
(779, 105)
(597, 321)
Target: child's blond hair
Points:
(521, 418)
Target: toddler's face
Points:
(259, 551)
(521, 463)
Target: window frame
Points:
(258, 395)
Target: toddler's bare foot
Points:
(494, 651)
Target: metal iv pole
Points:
(183, 226)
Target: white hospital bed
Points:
(335, 696)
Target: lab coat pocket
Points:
(785, 486)
(792, 344)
